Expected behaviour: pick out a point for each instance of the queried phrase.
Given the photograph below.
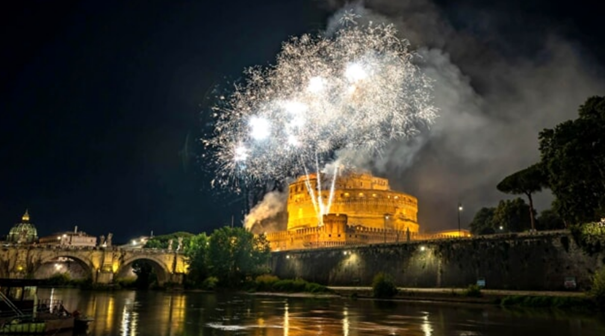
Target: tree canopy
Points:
(162, 241)
(527, 181)
(482, 223)
(229, 254)
(235, 253)
(511, 216)
(573, 157)
(549, 220)
(508, 216)
(196, 252)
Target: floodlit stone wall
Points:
(542, 261)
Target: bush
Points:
(265, 282)
(289, 285)
(383, 286)
(473, 291)
(545, 301)
(313, 287)
(210, 283)
(272, 283)
(597, 291)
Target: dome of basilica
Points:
(24, 232)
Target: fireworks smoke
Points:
(272, 204)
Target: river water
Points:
(157, 313)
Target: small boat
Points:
(20, 297)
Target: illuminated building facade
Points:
(367, 201)
(70, 238)
(364, 210)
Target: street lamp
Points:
(386, 219)
(459, 211)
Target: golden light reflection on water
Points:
(286, 320)
(345, 321)
(153, 313)
(130, 321)
(426, 325)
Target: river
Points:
(157, 313)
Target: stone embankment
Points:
(547, 261)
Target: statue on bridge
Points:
(169, 244)
(109, 235)
(180, 245)
(102, 240)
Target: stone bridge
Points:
(102, 265)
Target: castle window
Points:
(330, 235)
(360, 194)
(338, 235)
(374, 195)
(396, 197)
(346, 194)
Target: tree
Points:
(573, 157)
(145, 274)
(483, 222)
(235, 253)
(511, 216)
(549, 220)
(196, 253)
(527, 181)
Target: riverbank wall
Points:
(542, 261)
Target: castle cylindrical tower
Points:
(366, 201)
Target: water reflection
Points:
(345, 321)
(151, 313)
(426, 326)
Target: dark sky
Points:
(97, 100)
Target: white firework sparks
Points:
(356, 90)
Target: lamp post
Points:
(386, 218)
(459, 211)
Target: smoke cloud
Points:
(268, 215)
(496, 91)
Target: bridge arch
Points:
(55, 263)
(161, 269)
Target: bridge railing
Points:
(93, 248)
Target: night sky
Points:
(102, 103)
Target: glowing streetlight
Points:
(459, 211)
(386, 219)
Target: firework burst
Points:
(355, 90)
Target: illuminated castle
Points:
(363, 210)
